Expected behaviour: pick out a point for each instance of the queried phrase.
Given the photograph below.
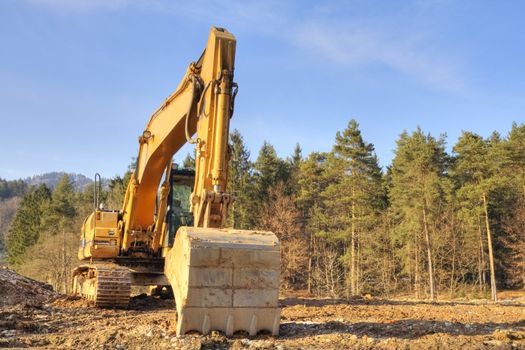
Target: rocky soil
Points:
(307, 323)
(16, 289)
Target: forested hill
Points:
(17, 188)
(12, 191)
(79, 181)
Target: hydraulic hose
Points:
(195, 84)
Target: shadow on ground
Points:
(377, 301)
(404, 329)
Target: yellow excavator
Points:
(168, 235)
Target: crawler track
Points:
(108, 285)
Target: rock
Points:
(16, 289)
(502, 335)
(8, 333)
(246, 342)
(493, 342)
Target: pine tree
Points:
(469, 171)
(118, 187)
(514, 244)
(61, 210)
(13, 188)
(297, 156)
(312, 181)
(117, 190)
(509, 168)
(27, 224)
(355, 199)
(8, 208)
(490, 182)
(512, 156)
(269, 170)
(418, 195)
(240, 183)
(294, 164)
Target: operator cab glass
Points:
(179, 205)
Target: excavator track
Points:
(106, 285)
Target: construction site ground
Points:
(61, 322)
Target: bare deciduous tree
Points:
(281, 216)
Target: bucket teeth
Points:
(181, 321)
(229, 326)
(253, 326)
(206, 327)
(247, 320)
(225, 280)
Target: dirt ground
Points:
(17, 289)
(306, 324)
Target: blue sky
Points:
(79, 78)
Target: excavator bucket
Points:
(225, 280)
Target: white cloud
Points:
(362, 45)
(320, 31)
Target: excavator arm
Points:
(202, 105)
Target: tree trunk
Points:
(493, 291)
(392, 256)
(352, 248)
(453, 273)
(429, 256)
(327, 269)
(347, 273)
(358, 268)
(64, 267)
(480, 278)
(309, 276)
(416, 265)
(482, 281)
(520, 245)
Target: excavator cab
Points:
(179, 206)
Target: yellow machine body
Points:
(100, 236)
